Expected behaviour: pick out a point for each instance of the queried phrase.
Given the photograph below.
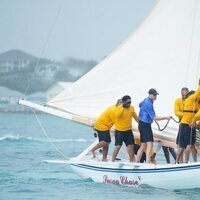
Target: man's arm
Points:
(158, 118)
(177, 110)
(134, 115)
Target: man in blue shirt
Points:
(146, 116)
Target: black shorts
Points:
(104, 136)
(124, 136)
(187, 136)
(146, 134)
(178, 136)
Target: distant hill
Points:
(28, 74)
(16, 54)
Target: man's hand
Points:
(168, 117)
(192, 124)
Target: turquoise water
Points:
(24, 175)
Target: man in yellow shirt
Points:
(187, 132)
(179, 103)
(102, 125)
(178, 110)
(123, 127)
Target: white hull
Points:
(176, 176)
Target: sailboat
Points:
(163, 53)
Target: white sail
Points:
(162, 53)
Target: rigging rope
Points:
(177, 121)
(190, 45)
(45, 43)
(162, 129)
(45, 133)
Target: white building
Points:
(8, 96)
(14, 60)
(57, 88)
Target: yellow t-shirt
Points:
(190, 107)
(123, 120)
(106, 120)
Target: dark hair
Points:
(126, 97)
(185, 88)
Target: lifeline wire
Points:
(45, 133)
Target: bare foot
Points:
(92, 152)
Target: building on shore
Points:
(9, 100)
(14, 60)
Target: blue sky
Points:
(87, 29)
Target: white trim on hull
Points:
(166, 176)
(182, 176)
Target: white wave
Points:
(22, 138)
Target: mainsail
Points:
(164, 53)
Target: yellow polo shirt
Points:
(106, 120)
(123, 120)
(190, 107)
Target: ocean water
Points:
(25, 175)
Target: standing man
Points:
(178, 107)
(188, 132)
(102, 125)
(123, 127)
(146, 117)
(179, 103)
(178, 111)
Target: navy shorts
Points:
(124, 136)
(146, 134)
(104, 136)
(187, 136)
(178, 136)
